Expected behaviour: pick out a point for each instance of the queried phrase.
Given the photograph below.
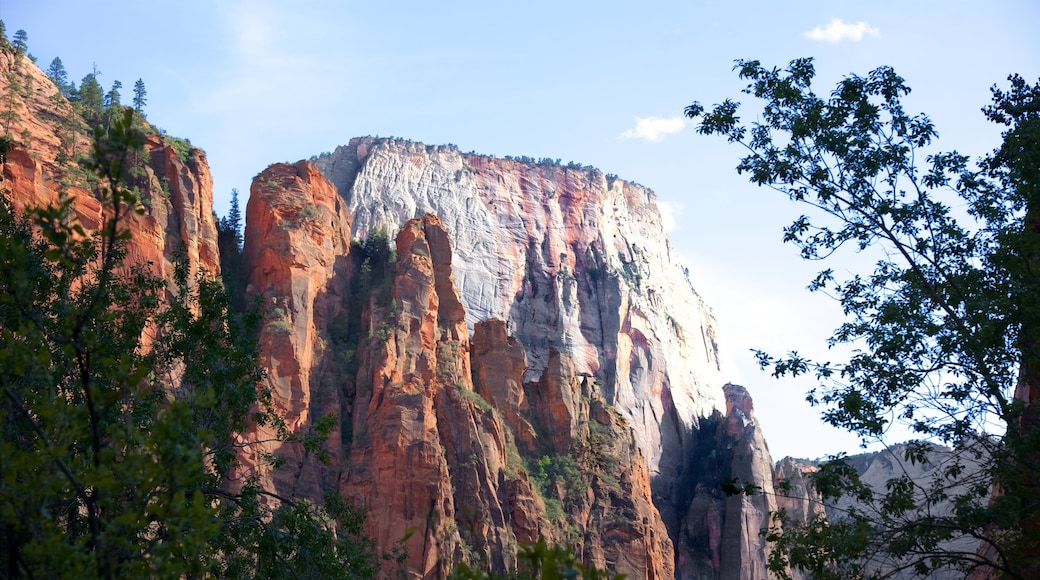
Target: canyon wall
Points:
(575, 262)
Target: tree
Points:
(122, 413)
(944, 331)
(21, 42)
(112, 96)
(91, 98)
(56, 72)
(229, 241)
(11, 101)
(140, 96)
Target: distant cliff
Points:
(576, 262)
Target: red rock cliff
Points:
(176, 193)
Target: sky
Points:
(601, 83)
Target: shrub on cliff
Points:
(946, 329)
(123, 409)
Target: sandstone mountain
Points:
(573, 263)
(494, 350)
(436, 436)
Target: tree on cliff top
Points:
(140, 96)
(945, 330)
(123, 409)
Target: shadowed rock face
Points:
(718, 535)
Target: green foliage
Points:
(555, 473)
(56, 72)
(540, 561)
(474, 397)
(280, 326)
(12, 101)
(117, 455)
(91, 99)
(21, 42)
(944, 328)
(229, 242)
(112, 97)
(181, 146)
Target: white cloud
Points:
(670, 211)
(654, 128)
(837, 31)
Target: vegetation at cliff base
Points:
(944, 331)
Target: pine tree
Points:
(91, 98)
(229, 242)
(112, 96)
(12, 102)
(60, 78)
(140, 96)
(21, 42)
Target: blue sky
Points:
(601, 83)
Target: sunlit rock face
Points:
(573, 260)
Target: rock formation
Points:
(718, 534)
(797, 496)
(575, 266)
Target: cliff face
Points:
(379, 342)
(175, 192)
(800, 500)
(573, 261)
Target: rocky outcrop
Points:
(296, 258)
(297, 243)
(795, 492)
(717, 530)
(175, 191)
